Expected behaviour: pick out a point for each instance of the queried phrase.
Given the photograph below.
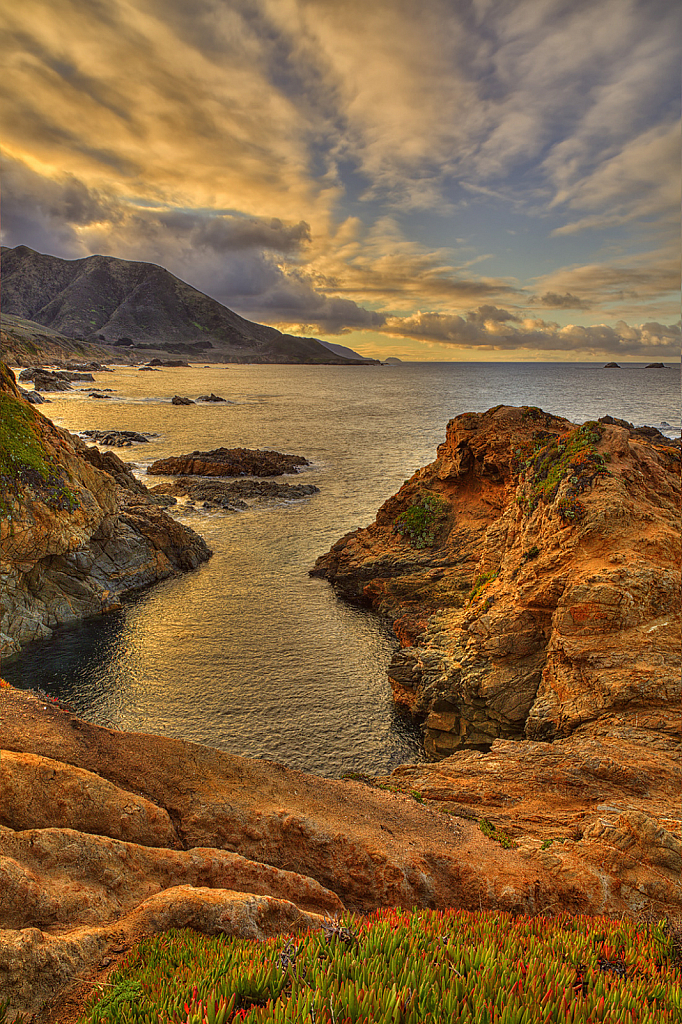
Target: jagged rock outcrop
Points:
(228, 462)
(78, 531)
(107, 836)
(549, 595)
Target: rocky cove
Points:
(531, 573)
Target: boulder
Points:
(210, 398)
(179, 400)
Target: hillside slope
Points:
(102, 299)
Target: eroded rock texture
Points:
(550, 596)
(78, 530)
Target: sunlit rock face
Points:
(549, 595)
(78, 530)
(106, 837)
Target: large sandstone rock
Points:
(550, 596)
(228, 462)
(77, 532)
(223, 843)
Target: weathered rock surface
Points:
(179, 400)
(228, 462)
(77, 532)
(540, 641)
(224, 843)
(550, 596)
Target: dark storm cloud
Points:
(225, 233)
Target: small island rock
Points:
(228, 462)
(179, 400)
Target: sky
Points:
(427, 179)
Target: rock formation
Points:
(78, 530)
(548, 594)
(228, 462)
(533, 574)
(106, 836)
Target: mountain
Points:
(119, 303)
(347, 353)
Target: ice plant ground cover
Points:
(398, 966)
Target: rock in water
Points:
(78, 530)
(117, 438)
(228, 462)
(46, 380)
(178, 400)
(549, 595)
(210, 398)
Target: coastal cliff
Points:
(78, 531)
(532, 572)
(106, 837)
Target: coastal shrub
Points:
(489, 830)
(571, 457)
(420, 522)
(395, 967)
(481, 582)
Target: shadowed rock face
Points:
(550, 596)
(78, 531)
(107, 836)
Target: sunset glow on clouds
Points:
(437, 179)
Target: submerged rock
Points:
(78, 530)
(178, 400)
(229, 462)
(210, 398)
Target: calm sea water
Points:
(248, 653)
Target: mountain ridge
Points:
(123, 303)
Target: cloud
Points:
(648, 341)
(334, 165)
(552, 300)
(490, 313)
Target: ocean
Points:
(248, 653)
